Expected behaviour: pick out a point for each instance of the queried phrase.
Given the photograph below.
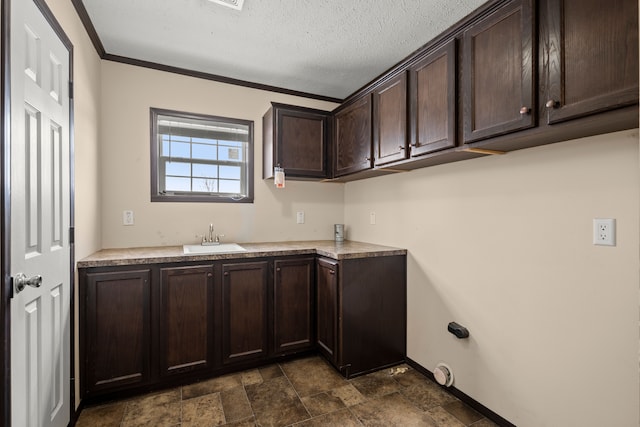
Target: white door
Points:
(40, 217)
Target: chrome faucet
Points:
(213, 239)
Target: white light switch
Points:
(300, 217)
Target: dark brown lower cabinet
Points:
(116, 330)
(362, 313)
(244, 311)
(150, 326)
(327, 308)
(293, 312)
(186, 319)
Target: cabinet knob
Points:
(368, 159)
(402, 147)
(226, 273)
(332, 272)
(551, 104)
(209, 275)
(415, 144)
(278, 269)
(525, 110)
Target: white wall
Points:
(503, 245)
(127, 94)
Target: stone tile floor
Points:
(302, 393)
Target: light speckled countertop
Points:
(164, 254)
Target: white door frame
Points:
(6, 289)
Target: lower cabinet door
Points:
(293, 311)
(244, 311)
(186, 319)
(116, 330)
(327, 308)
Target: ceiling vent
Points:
(233, 4)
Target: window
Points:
(198, 158)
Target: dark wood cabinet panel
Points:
(372, 313)
(293, 312)
(432, 87)
(186, 319)
(327, 308)
(589, 50)
(244, 311)
(390, 121)
(361, 316)
(296, 139)
(352, 151)
(116, 330)
(498, 73)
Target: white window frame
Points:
(191, 125)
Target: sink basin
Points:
(222, 248)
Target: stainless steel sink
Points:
(222, 248)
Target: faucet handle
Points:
(218, 236)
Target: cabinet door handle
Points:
(402, 147)
(525, 110)
(226, 273)
(332, 272)
(551, 104)
(368, 159)
(209, 275)
(278, 269)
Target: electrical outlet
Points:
(604, 231)
(372, 218)
(300, 217)
(127, 218)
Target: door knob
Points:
(21, 281)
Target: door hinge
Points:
(72, 235)
(70, 90)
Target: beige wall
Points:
(86, 70)
(503, 245)
(127, 94)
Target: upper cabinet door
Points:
(498, 73)
(296, 139)
(591, 52)
(390, 121)
(353, 138)
(432, 85)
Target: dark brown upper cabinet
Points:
(390, 121)
(498, 73)
(352, 151)
(186, 320)
(296, 139)
(589, 48)
(432, 88)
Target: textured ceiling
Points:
(324, 47)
